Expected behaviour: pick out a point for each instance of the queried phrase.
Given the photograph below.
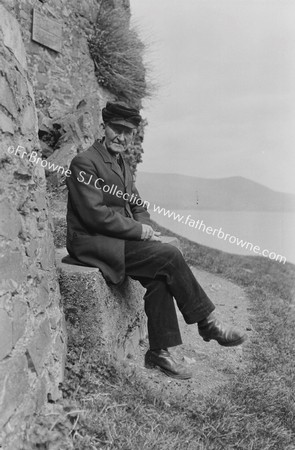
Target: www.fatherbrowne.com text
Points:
(113, 190)
(188, 220)
(219, 233)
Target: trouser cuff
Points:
(197, 315)
(165, 341)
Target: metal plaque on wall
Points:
(46, 31)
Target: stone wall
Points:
(53, 96)
(32, 332)
(61, 80)
(67, 95)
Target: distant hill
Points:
(176, 191)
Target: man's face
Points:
(118, 137)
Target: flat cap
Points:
(122, 114)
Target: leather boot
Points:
(211, 328)
(167, 364)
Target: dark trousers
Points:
(162, 270)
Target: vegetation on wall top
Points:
(117, 52)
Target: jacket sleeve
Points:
(139, 212)
(88, 204)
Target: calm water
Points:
(274, 232)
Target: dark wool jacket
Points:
(99, 222)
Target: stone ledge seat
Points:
(99, 315)
(69, 260)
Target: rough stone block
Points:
(41, 393)
(42, 77)
(43, 294)
(109, 318)
(7, 98)
(5, 300)
(12, 36)
(63, 157)
(10, 222)
(31, 249)
(46, 253)
(39, 346)
(19, 320)
(7, 286)
(56, 368)
(6, 124)
(5, 334)
(13, 386)
(39, 200)
(11, 266)
(29, 120)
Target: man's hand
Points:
(148, 234)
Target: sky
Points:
(225, 102)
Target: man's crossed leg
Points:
(162, 270)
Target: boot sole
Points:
(228, 344)
(168, 373)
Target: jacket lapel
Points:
(127, 173)
(109, 160)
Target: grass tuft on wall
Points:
(117, 52)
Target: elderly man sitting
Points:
(109, 227)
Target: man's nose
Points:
(121, 136)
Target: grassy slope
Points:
(255, 412)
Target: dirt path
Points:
(211, 364)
